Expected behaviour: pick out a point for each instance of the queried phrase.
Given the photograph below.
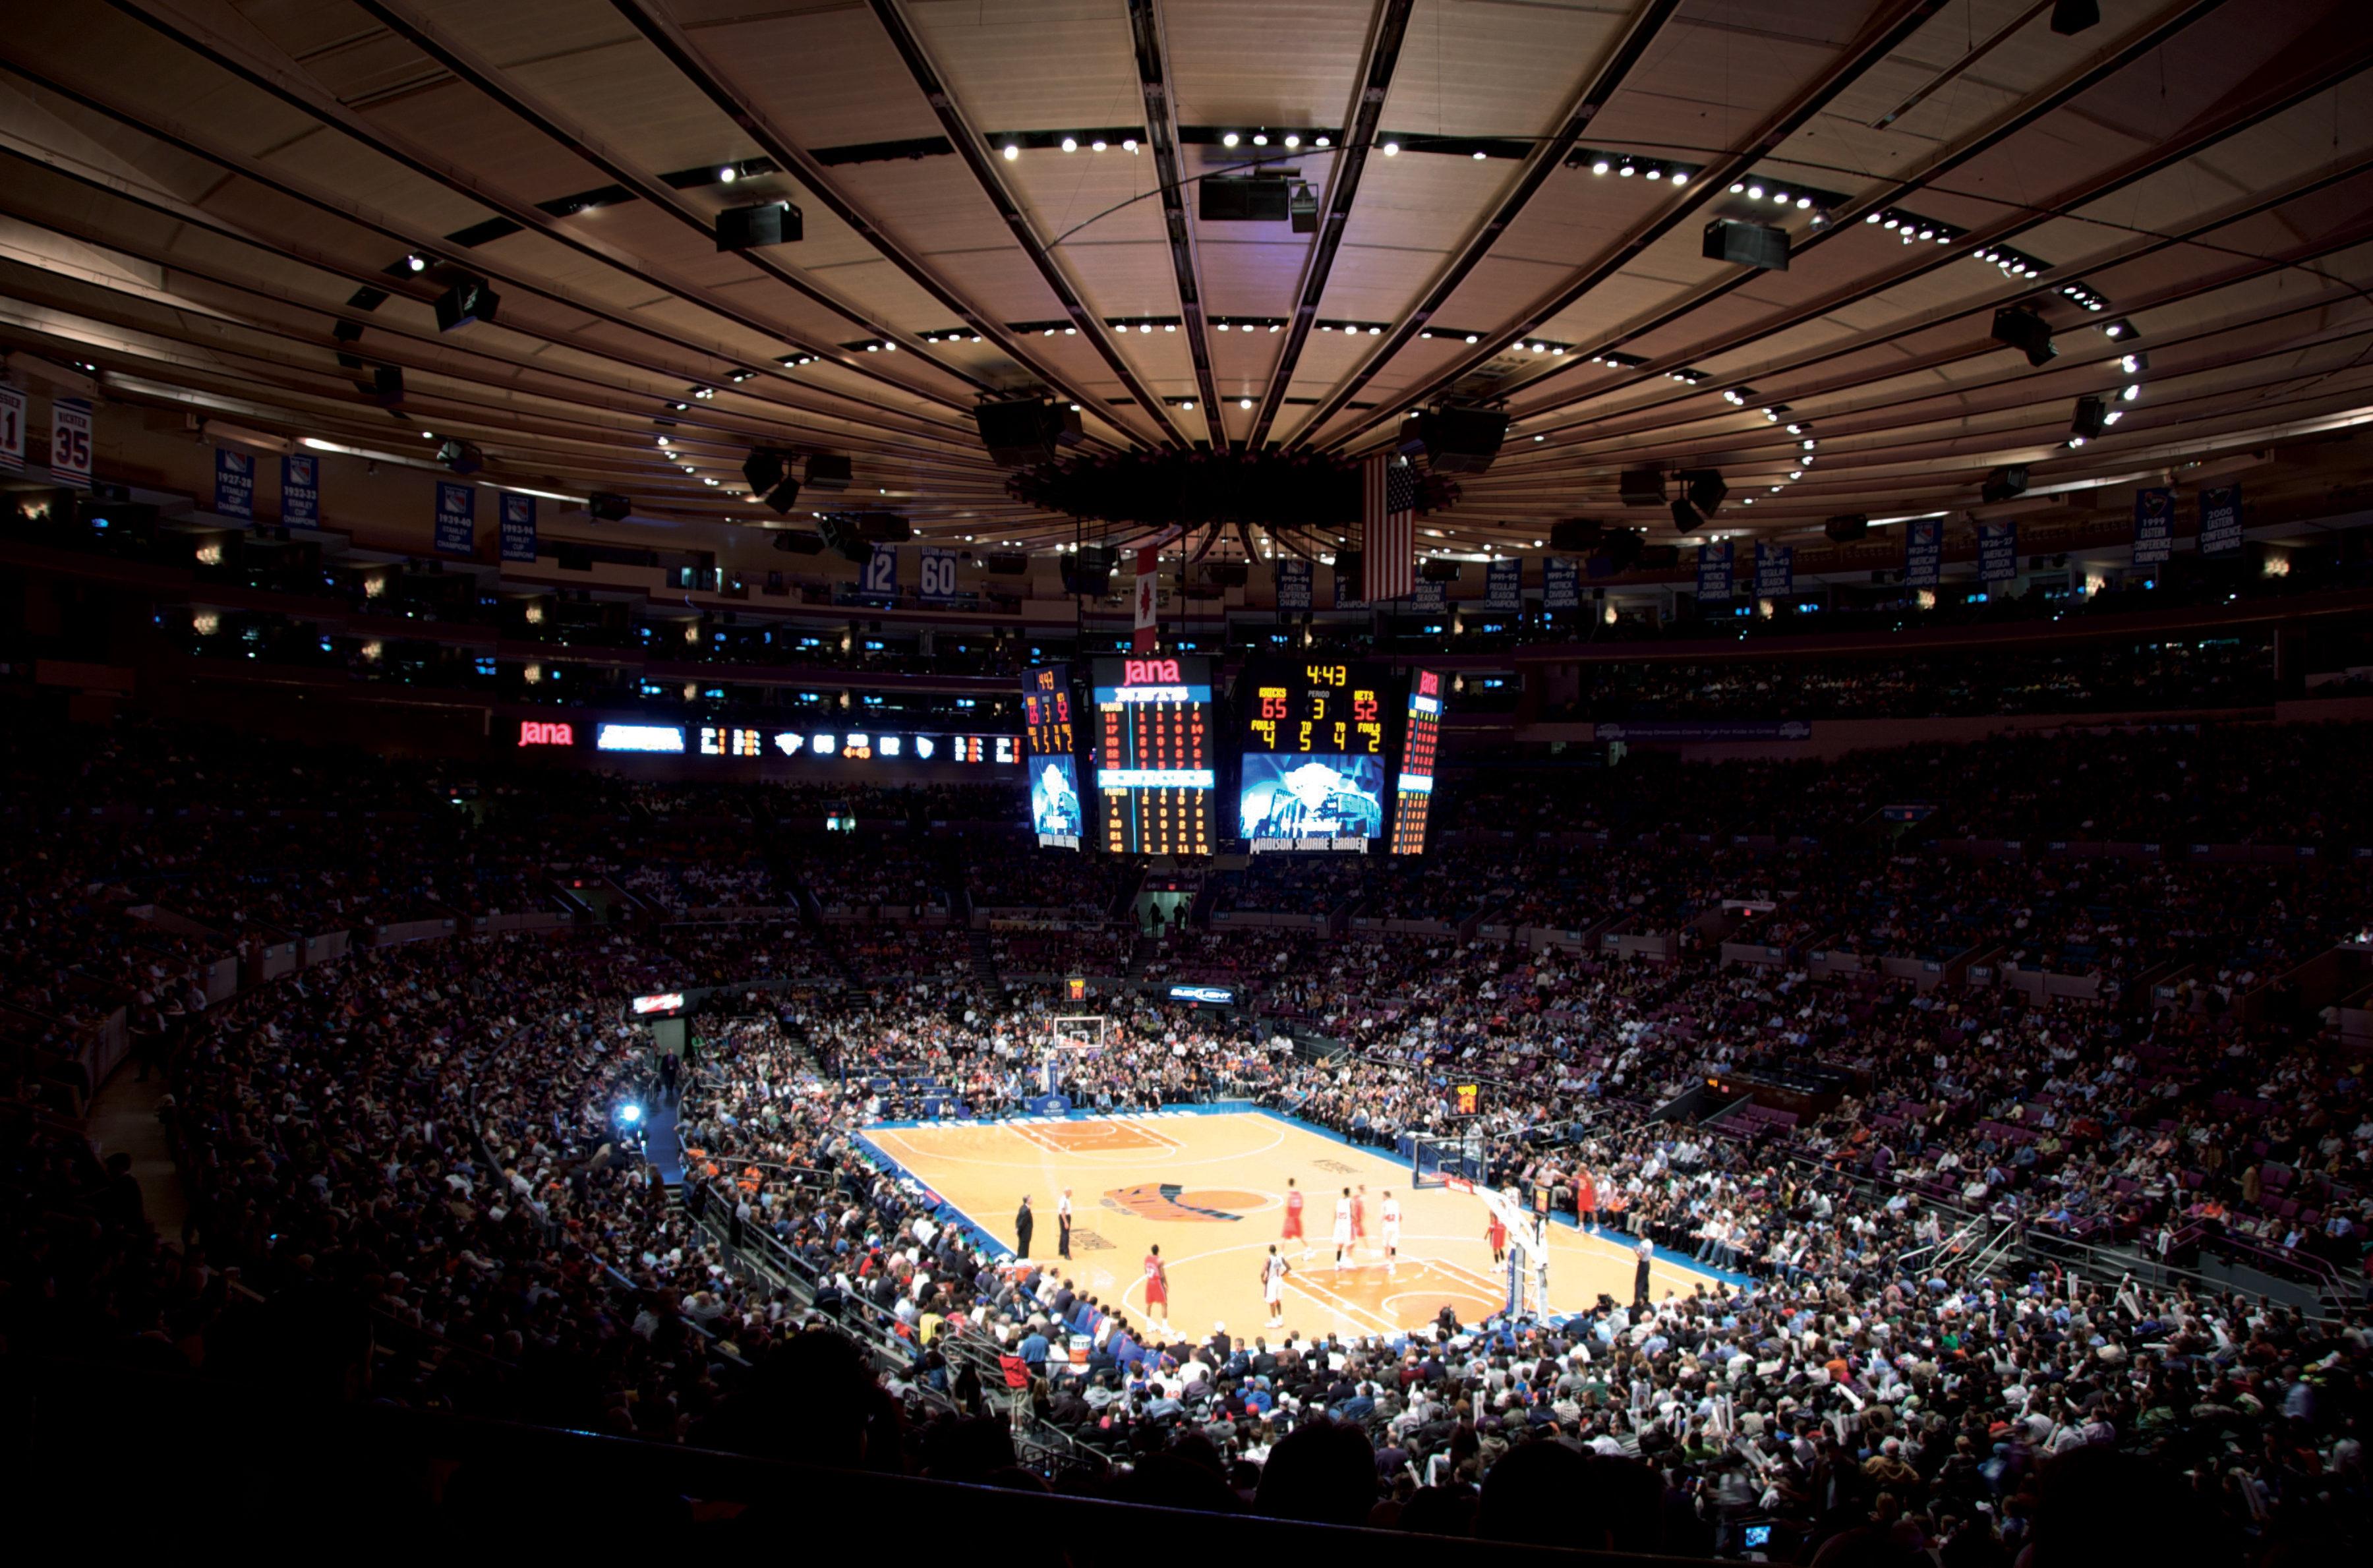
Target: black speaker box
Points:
(387, 383)
(2027, 332)
(1846, 529)
(607, 506)
(798, 542)
(467, 302)
(573, 557)
(1747, 244)
(1576, 533)
(1008, 562)
(1024, 431)
(1096, 561)
(1438, 570)
(1228, 574)
(763, 469)
(1462, 440)
(1262, 198)
(2003, 483)
(1642, 487)
(769, 223)
(829, 471)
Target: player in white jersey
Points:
(1273, 1273)
(1392, 1228)
(1342, 1226)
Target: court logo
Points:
(1169, 1200)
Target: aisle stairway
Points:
(984, 962)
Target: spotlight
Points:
(1097, 146)
(1260, 138)
(1243, 402)
(2130, 393)
(1012, 152)
(1069, 145)
(2121, 330)
(726, 174)
(2133, 364)
(416, 262)
(1321, 142)
(1600, 167)
(1392, 150)
(1228, 140)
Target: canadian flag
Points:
(1149, 563)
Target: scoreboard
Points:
(1154, 740)
(1304, 706)
(1413, 789)
(1056, 814)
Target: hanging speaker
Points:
(769, 223)
(1642, 487)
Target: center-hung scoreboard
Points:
(1305, 756)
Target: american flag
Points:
(1388, 528)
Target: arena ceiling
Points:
(217, 203)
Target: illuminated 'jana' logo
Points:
(1168, 1200)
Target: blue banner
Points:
(1431, 598)
(1714, 569)
(1293, 577)
(1775, 570)
(1997, 551)
(1560, 583)
(300, 489)
(1705, 730)
(457, 519)
(2220, 519)
(519, 528)
(882, 571)
(1923, 552)
(2154, 526)
(1347, 583)
(937, 576)
(234, 484)
(1503, 587)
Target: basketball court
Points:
(1209, 1189)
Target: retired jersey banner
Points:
(1714, 569)
(2220, 519)
(519, 528)
(300, 489)
(70, 438)
(882, 571)
(1503, 587)
(1560, 583)
(1775, 570)
(12, 430)
(2154, 526)
(1997, 551)
(457, 519)
(234, 484)
(1923, 552)
(1294, 579)
(935, 579)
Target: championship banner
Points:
(301, 490)
(2220, 519)
(936, 576)
(1997, 551)
(1293, 582)
(1503, 587)
(70, 438)
(457, 519)
(1560, 583)
(12, 430)
(1431, 598)
(1775, 570)
(1714, 569)
(519, 528)
(882, 571)
(2154, 526)
(234, 484)
(1346, 582)
(1146, 628)
(1923, 552)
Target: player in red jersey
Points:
(1358, 1219)
(1293, 1217)
(1157, 1284)
(1499, 1235)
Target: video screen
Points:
(1327, 802)
(1055, 812)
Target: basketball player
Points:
(1273, 1273)
(1342, 1227)
(1293, 1217)
(1359, 1220)
(1157, 1286)
(1392, 1228)
(1499, 1237)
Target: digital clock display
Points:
(1310, 708)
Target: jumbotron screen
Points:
(1413, 789)
(1315, 748)
(1056, 816)
(1155, 772)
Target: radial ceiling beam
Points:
(968, 146)
(1147, 39)
(1360, 121)
(302, 94)
(671, 41)
(1896, 21)
(1547, 159)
